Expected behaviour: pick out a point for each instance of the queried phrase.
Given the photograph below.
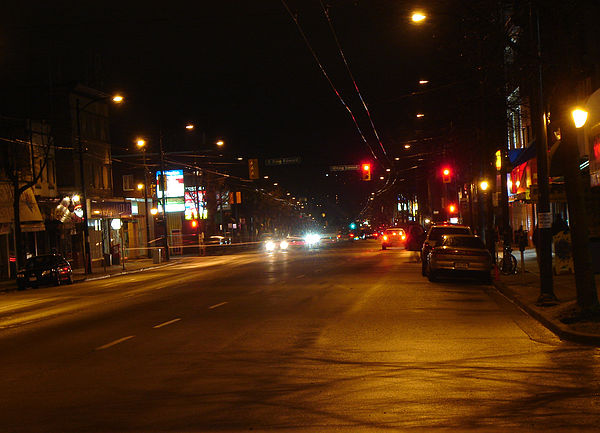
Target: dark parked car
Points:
(45, 269)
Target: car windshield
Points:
(437, 232)
(41, 261)
(463, 241)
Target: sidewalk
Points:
(98, 272)
(524, 290)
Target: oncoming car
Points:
(460, 255)
(393, 237)
(270, 243)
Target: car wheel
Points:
(70, 279)
(431, 276)
(57, 281)
(21, 286)
(423, 268)
(383, 247)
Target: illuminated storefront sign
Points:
(174, 184)
(193, 200)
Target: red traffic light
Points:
(366, 171)
(446, 175)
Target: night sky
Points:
(240, 70)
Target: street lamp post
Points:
(87, 259)
(142, 145)
(585, 285)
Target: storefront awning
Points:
(30, 215)
(520, 156)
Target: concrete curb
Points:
(13, 287)
(126, 272)
(559, 329)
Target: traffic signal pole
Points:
(544, 217)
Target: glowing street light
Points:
(418, 17)
(117, 99)
(220, 143)
(189, 127)
(140, 186)
(579, 117)
(420, 115)
(423, 81)
(484, 185)
(140, 143)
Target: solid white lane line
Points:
(217, 305)
(166, 323)
(112, 343)
(301, 276)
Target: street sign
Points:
(544, 220)
(283, 161)
(344, 167)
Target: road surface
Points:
(348, 338)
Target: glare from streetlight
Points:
(140, 142)
(220, 143)
(140, 186)
(407, 146)
(579, 117)
(418, 17)
(153, 211)
(117, 99)
(423, 81)
(419, 115)
(484, 185)
(189, 127)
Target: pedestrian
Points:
(521, 238)
(559, 225)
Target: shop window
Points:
(128, 182)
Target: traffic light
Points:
(253, 168)
(446, 175)
(365, 172)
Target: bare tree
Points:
(23, 162)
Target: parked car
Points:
(435, 236)
(45, 269)
(393, 237)
(460, 255)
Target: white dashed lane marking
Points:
(166, 323)
(216, 305)
(113, 343)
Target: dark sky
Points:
(241, 70)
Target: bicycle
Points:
(508, 262)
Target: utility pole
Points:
(87, 256)
(148, 251)
(544, 217)
(163, 181)
(585, 284)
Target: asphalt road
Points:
(349, 338)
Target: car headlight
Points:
(270, 245)
(312, 239)
(283, 245)
(46, 272)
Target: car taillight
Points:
(394, 233)
(63, 270)
(385, 238)
(403, 237)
